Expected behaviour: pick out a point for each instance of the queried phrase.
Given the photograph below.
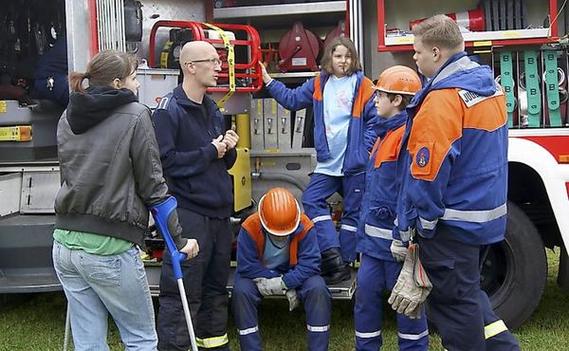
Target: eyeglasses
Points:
(213, 61)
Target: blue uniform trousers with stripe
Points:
(457, 306)
(320, 188)
(374, 277)
(317, 304)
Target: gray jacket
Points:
(110, 170)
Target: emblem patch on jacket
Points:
(423, 156)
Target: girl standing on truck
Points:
(110, 175)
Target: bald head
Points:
(200, 66)
(196, 50)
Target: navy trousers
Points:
(457, 306)
(317, 304)
(376, 276)
(205, 280)
(320, 188)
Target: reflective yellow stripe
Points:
(209, 343)
(230, 62)
(494, 329)
(16, 133)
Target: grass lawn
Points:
(37, 323)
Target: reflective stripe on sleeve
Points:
(428, 225)
(406, 235)
(377, 232)
(475, 216)
(349, 228)
(321, 218)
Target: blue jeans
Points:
(97, 285)
(457, 306)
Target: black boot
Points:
(331, 260)
(332, 267)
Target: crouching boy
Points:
(277, 254)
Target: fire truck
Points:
(525, 42)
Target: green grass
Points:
(37, 323)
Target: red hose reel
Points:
(299, 49)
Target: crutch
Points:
(67, 328)
(163, 215)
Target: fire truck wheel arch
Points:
(552, 174)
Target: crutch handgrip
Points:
(164, 214)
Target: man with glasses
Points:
(196, 153)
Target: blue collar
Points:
(385, 125)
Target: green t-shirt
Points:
(92, 243)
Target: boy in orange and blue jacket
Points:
(382, 254)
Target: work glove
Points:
(271, 286)
(412, 287)
(398, 250)
(292, 299)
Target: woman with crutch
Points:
(110, 176)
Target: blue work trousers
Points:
(317, 304)
(457, 306)
(375, 276)
(320, 188)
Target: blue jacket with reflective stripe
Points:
(361, 135)
(303, 249)
(453, 162)
(378, 206)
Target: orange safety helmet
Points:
(279, 212)
(399, 80)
